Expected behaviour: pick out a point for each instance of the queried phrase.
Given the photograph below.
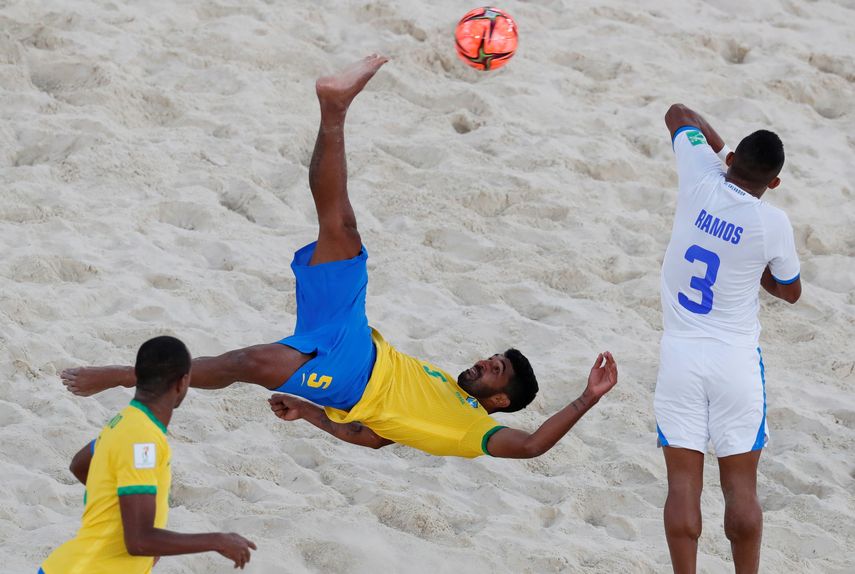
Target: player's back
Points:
(131, 456)
(722, 240)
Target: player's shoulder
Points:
(772, 216)
(136, 423)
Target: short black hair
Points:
(759, 157)
(161, 362)
(522, 387)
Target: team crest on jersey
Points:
(473, 402)
(696, 137)
(144, 455)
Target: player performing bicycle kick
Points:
(369, 393)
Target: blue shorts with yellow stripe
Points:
(332, 325)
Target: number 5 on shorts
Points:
(318, 383)
(703, 284)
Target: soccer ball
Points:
(486, 38)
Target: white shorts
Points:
(710, 391)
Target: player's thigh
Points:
(685, 469)
(266, 365)
(329, 294)
(680, 402)
(737, 395)
(738, 474)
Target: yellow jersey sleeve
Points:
(474, 442)
(136, 468)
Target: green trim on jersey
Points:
(487, 436)
(149, 414)
(137, 489)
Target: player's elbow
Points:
(380, 443)
(141, 543)
(79, 468)
(135, 546)
(76, 472)
(791, 293)
(674, 112)
(791, 298)
(531, 449)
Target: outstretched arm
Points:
(513, 443)
(143, 539)
(291, 408)
(679, 116)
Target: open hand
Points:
(236, 548)
(603, 376)
(287, 407)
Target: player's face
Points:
(486, 378)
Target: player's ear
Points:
(728, 161)
(774, 183)
(498, 401)
(184, 384)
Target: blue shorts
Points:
(331, 323)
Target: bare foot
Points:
(337, 91)
(87, 381)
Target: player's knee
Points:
(340, 227)
(683, 515)
(683, 525)
(341, 232)
(743, 521)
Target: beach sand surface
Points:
(153, 180)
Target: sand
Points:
(153, 168)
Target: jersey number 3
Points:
(703, 284)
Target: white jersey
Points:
(723, 239)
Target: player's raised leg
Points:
(266, 365)
(743, 518)
(683, 506)
(338, 237)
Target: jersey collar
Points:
(740, 192)
(136, 404)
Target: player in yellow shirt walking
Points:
(127, 474)
(372, 394)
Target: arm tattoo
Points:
(577, 407)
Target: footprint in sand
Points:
(327, 556)
(184, 215)
(57, 78)
(413, 516)
(842, 66)
(50, 269)
(37, 147)
(796, 482)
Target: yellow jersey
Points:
(411, 402)
(131, 456)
